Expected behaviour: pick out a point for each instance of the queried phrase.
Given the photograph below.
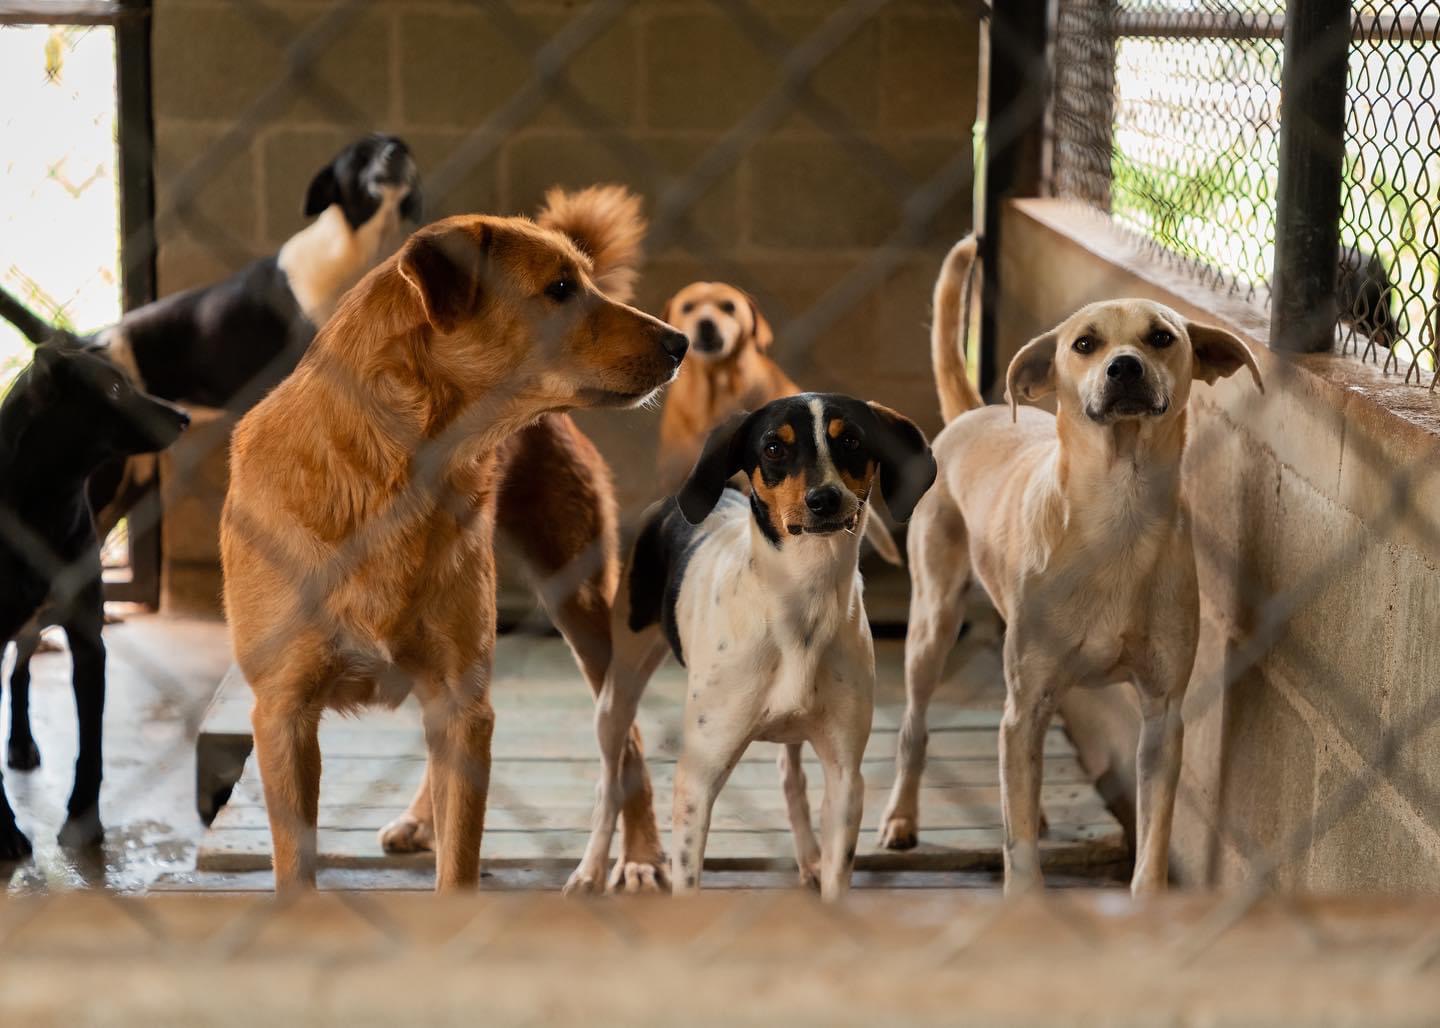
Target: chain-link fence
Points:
(1166, 117)
(808, 162)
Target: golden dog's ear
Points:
(1219, 354)
(1031, 374)
(443, 267)
(606, 224)
(763, 335)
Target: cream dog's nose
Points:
(1125, 368)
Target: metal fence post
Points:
(1016, 89)
(1311, 169)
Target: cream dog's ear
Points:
(1032, 373)
(1219, 354)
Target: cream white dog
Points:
(1077, 526)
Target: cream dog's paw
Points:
(899, 832)
(585, 881)
(406, 834)
(635, 876)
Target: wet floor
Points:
(161, 674)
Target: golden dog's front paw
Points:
(899, 832)
(635, 876)
(406, 834)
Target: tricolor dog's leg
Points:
(1158, 772)
(840, 755)
(708, 756)
(797, 805)
(459, 722)
(1033, 688)
(939, 574)
(636, 657)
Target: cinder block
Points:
(194, 474)
(193, 175)
(182, 262)
(538, 160)
(1267, 777)
(929, 72)
(1412, 713)
(846, 79)
(702, 74)
(1363, 844)
(454, 178)
(221, 60)
(292, 157)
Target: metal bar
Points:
(136, 157)
(1308, 194)
(1369, 26)
(1016, 88)
(95, 12)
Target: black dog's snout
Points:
(823, 501)
(675, 344)
(1125, 368)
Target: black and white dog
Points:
(761, 599)
(227, 344)
(66, 414)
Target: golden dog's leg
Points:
(1157, 763)
(287, 746)
(459, 723)
(797, 806)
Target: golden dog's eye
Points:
(727, 306)
(687, 308)
(1083, 345)
(1160, 338)
(774, 450)
(561, 289)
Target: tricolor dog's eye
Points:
(1085, 344)
(561, 289)
(1160, 338)
(727, 306)
(849, 443)
(774, 449)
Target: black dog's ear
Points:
(412, 208)
(44, 369)
(718, 461)
(907, 467)
(323, 191)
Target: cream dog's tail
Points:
(954, 292)
(606, 223)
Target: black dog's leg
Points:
(22, 754)
(82, 824)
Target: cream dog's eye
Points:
(1160, 338)
(1083, 345)
(727, 306)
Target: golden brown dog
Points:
(1078, 528)
(728, 371)
(357, 532)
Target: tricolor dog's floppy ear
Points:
(1219, 354)
(1031, 374)
(907, 467)
(444, 267)
(719, 460)
(763, 335)
(324, 189)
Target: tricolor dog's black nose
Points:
(675, 344)
(1125, 368)
(823, 501)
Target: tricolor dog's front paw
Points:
(407, 834)
(899, 832)
(635, 876)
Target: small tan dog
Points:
(1078, 528)
(728, 371)
(357, 531)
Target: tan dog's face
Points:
(510, 302)
(1125, 360)
(718, 319)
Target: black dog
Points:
(228, 344)
(66, 414)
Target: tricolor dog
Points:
(728, 369)
(760, 598)
(1078, 528)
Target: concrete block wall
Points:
(1313, 715)
(793, 215)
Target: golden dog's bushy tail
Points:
(954, 293)
(606, 223)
